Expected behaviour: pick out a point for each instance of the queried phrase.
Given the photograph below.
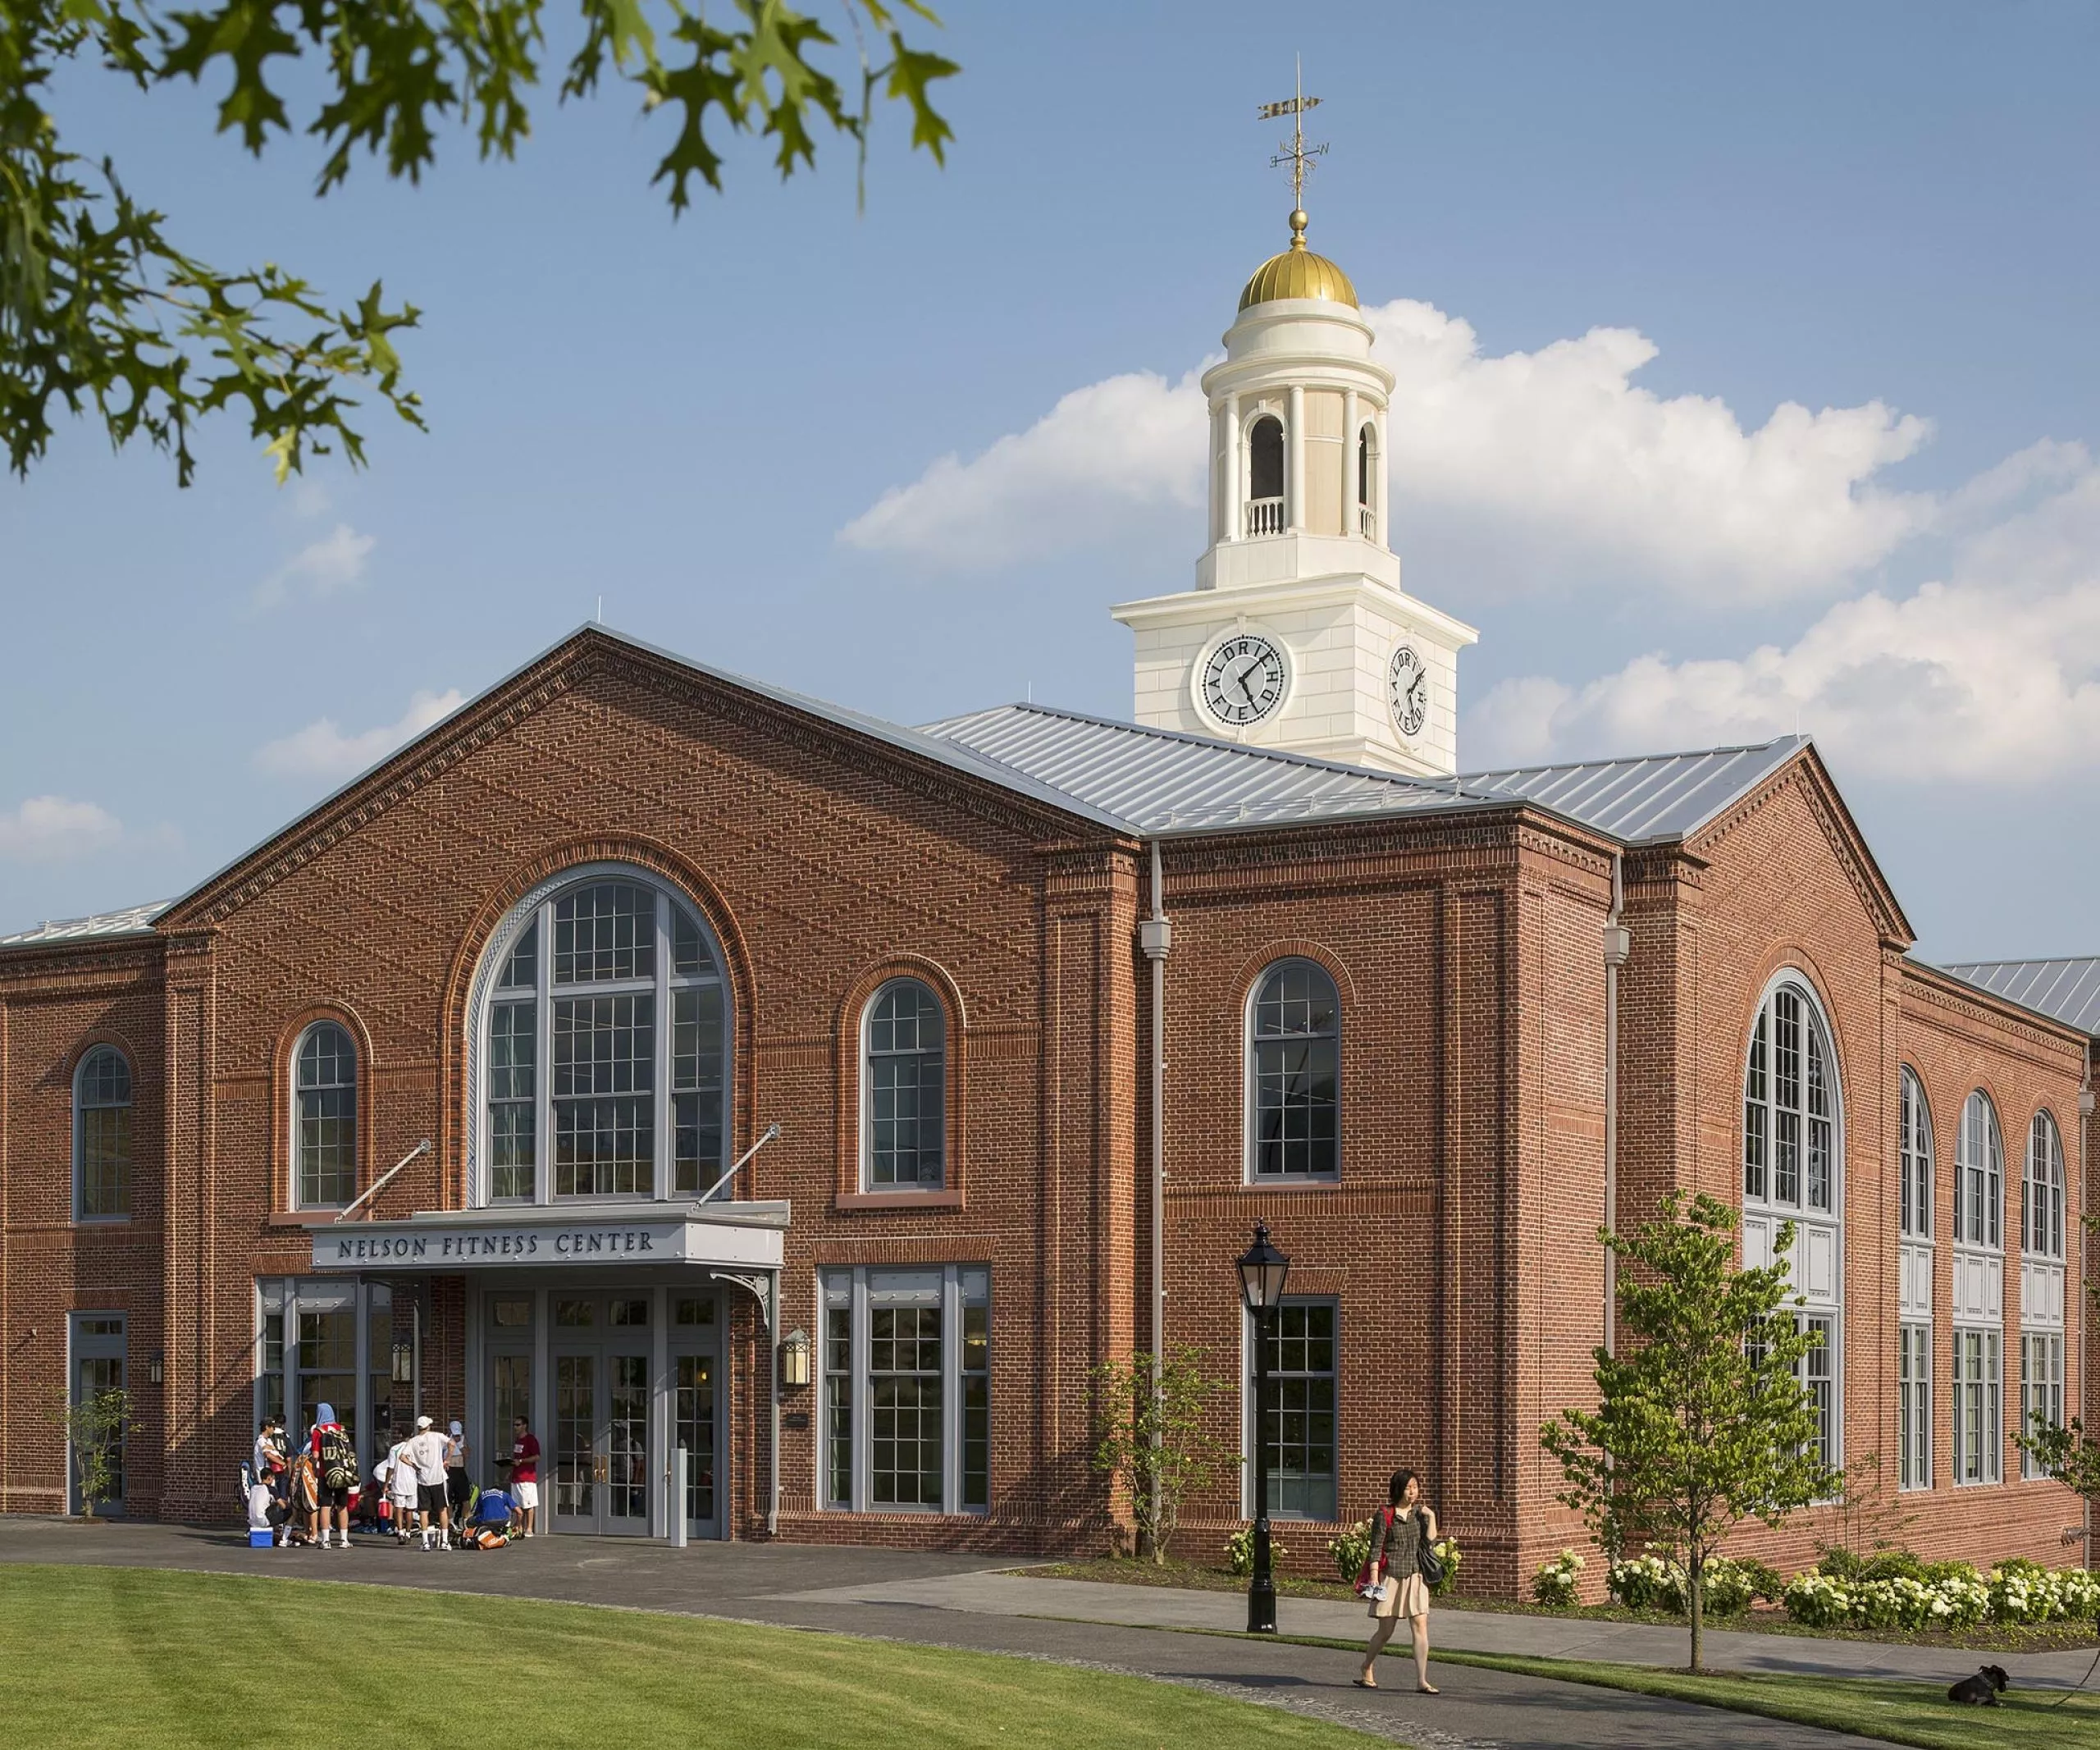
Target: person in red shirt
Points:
(525, 1472)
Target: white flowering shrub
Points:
(1555, 1584)
(1647, 1583)
(1943, 1594)
(1240, 1551)
(1350, 1550)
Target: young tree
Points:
(1152, 1437)
(1701, 1423)
(96, 1428)
(2069, 1454)
(99, 306)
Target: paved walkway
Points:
(966, 1602)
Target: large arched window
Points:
(1915, 1165)
(1792, 1151)
(2043, 1223)
(102, 1136)
(1294, 1071)
(324, 1118)
(1980, 1169)
(1790, 1105)
(604, 1046)
(904, 1081)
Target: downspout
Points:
(2084, 1301)
(1618, 946)
(1156, 936)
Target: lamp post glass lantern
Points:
(1262, 1272)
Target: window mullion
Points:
(862, 1398)
(951, 1391)
(543, 1035)
(664, 1141)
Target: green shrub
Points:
(1895, 1564)
(1766, 1581)
(1555, 1584)
(1448, 1548)
(1840, 1565)
(1728, 1587)
(1240, 1551)
(1350, 1550)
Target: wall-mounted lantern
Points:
(157, 1366)
(795, 1359)
(404, 1363)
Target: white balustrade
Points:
(1367, 522)
(1264, 516)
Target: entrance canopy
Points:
(732, 1236)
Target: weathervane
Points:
(1294, 152)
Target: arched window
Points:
(904, 1101)
(1790, 1105)
(324, 1118)
(1791, 1148)
(2043, 1228)
(604, 1045)
(1980, 1166)
(1265, 476)
(1294, 1072)
(102, 1136)
(1914, 1124)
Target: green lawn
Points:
(126, 1657)
(1900, 1713)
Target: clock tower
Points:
(1298, 635)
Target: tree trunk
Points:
(1695, 1584)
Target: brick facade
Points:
(1458, 1243)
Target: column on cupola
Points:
(1380, 475)
(1235, 472)
(1352, 441)
(1294, 460)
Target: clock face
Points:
(1409, 678)
(1243, 679)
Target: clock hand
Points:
(1241, 678)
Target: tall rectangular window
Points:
(96, 1340)
(1300, 1430)
(1914, 1406)
(1977, 1421)
(907, 1390)
(2041, 1388)
(1819, 1374)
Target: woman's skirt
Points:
(1404, 1596)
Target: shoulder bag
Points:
(1428, 1561)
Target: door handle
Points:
(600, 1470)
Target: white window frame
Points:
(1250, 1097)
(296, 1190)
(1913, 1159)
(868, 1181)
(2041, 1388)
(81, 1346)
(859, 1288)
(1979, 1184)
(537, 907)
(1914, 1405)
(80, 1107)
(2044, 1202)
(1815, 1267)
(1983, 1386)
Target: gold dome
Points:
(1297, 273)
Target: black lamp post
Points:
(1261, 1272)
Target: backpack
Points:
(339, 1458)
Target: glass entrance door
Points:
(601, 1442)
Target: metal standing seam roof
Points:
(2066, 990)
(135, 920)
(1657, 797)
(1163, 780)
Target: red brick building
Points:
(597, 933)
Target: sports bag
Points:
(1429, 1563)
(339, 1460)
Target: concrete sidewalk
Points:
(967, 1602)
(1020, 1594)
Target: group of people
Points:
(422, 1486)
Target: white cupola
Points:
(1298, 635)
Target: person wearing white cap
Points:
(426, 1454)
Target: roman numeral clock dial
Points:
(1409, 676)
(1243, 679)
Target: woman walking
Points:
(1396, 1589)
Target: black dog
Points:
(1984, 1689)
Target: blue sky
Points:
(1607, 247)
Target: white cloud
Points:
(324, 750)
(1544, 462)
(1120, 448)
(322, 568)
(49, 829)
(1992, 674)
